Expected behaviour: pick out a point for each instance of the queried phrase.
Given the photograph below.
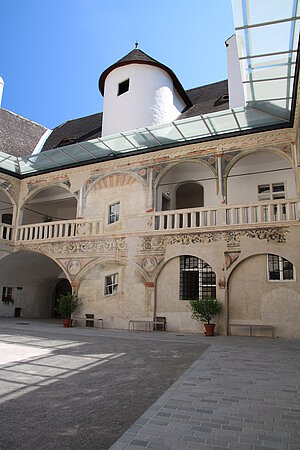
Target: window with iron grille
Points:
(114, 213)
(197, 279)
(7, 294)
(111, 284)
(280, 269)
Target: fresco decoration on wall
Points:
(159, 243)
(5, 184)
(62, 180)
(80, 247)
(149, 263)
(74, 266)
(212, 160)
(227, 158)
(230, 258)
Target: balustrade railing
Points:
(257, 213)
(59, 230)
(6, 232)
(181, 219)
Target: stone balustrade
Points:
(6, 232)
(227, 215)
(59, 230)
(269, 212)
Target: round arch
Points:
(259, 174)
(114, 174)
(31, 277)
(99, 261)
(46, 203)
(186, 171)
(39, 189)
(176, 278)
(253, 299)
(246, 153)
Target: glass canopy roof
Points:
(267, 36)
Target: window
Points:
(114, 213)
(274, 191)
(123, 87)
(280, 269)
(7, 294)
(111, 284)
(197, 279)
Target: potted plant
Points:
(66, 305)
(204, 309)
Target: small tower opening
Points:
(123, 87)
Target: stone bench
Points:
(251, 327)
(88, 321)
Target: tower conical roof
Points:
(137, 56)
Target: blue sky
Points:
(53, 51)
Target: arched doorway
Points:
(189, 195)
(62, 287)
(28, 280)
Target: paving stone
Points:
(235, 397)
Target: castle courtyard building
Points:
(169, 194)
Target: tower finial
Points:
(136, 44)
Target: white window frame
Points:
(281, 272)
(114, 284)
(113, 217)
(262, 196)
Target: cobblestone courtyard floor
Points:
(83, 388)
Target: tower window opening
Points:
(123, 87)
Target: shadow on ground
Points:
(84, 390)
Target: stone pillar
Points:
(75, 286)
(220, 179)
(150, 298)
(80, 203)
(150, 192)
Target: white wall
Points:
(151, 99)
(183, 173)
(258, 168)
(235, 85)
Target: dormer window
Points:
(123, 87)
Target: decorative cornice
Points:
(78, 247)
(159, 243)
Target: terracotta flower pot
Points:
(209, 329)
(66, 323)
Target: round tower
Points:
(138, 92)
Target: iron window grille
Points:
(111, 284)
(197, 279)
(280, 269)
(114, 213)
(7, 294)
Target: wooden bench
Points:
(88, 321)
(252, 327)
(149, 325)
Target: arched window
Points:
(197, 279)
(189, 195)
(280, 269)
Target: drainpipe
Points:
(154, 301)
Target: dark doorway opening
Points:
(62, 287)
